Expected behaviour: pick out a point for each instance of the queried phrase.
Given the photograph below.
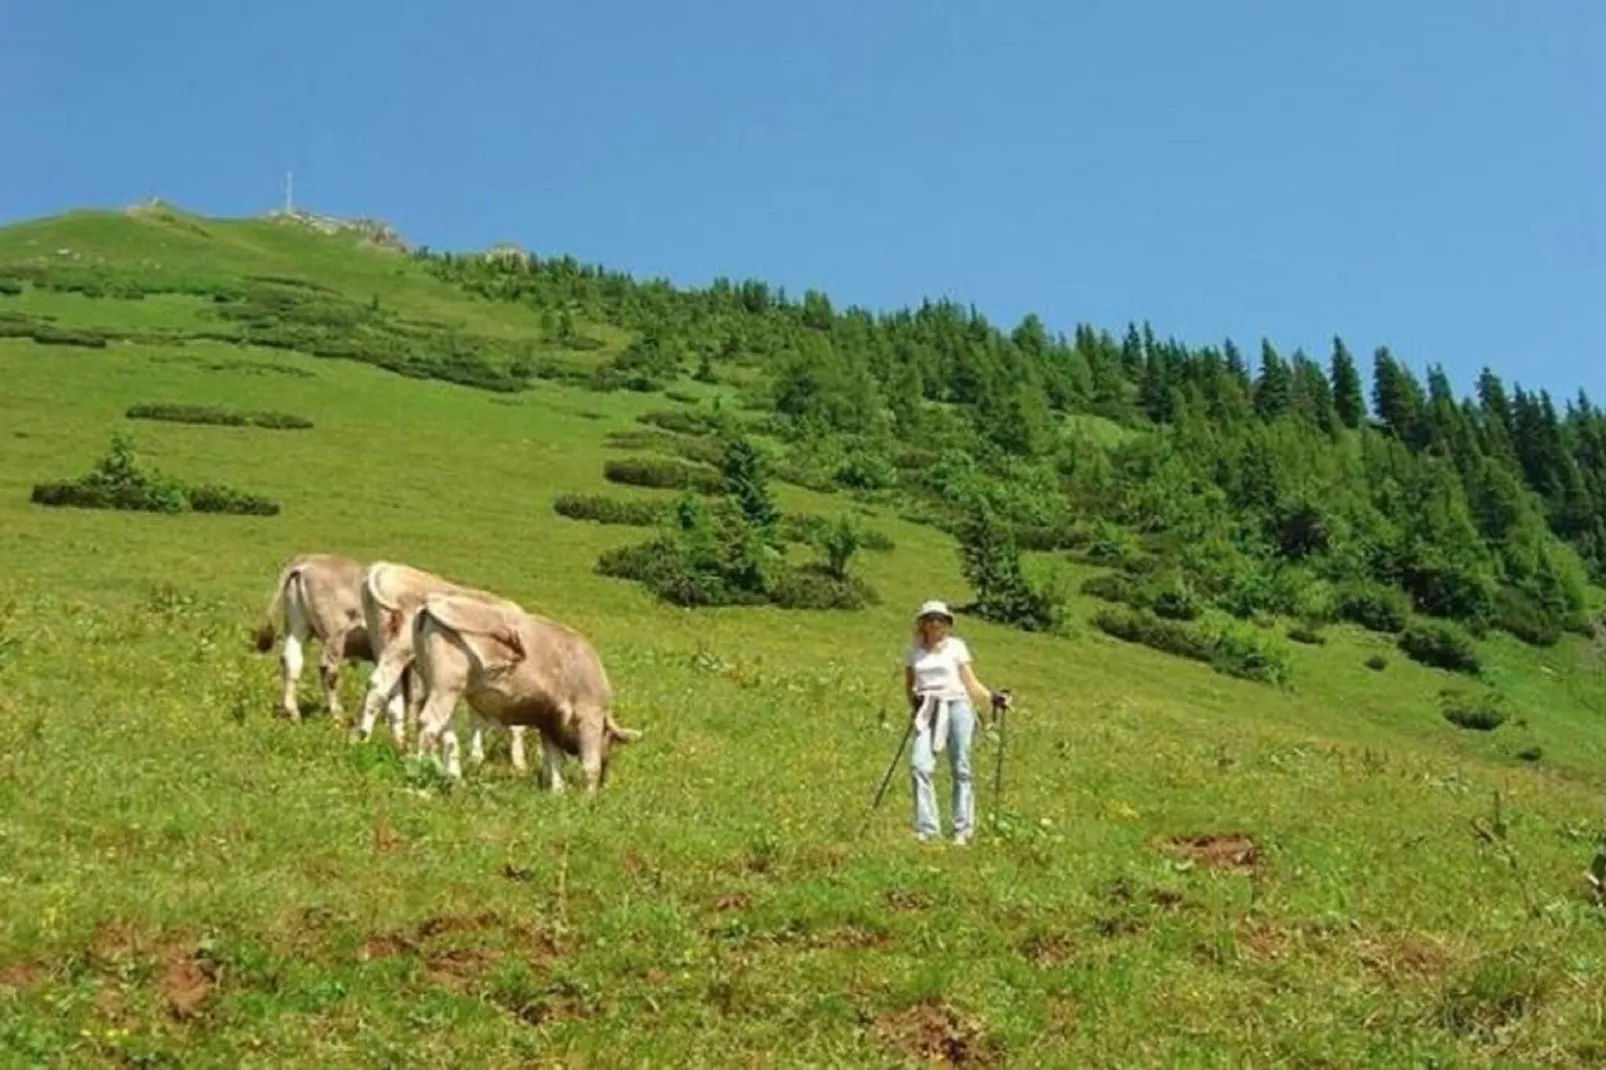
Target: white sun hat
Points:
(935, 608)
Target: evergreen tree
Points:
(1396, 398)
(1348, 398)
(1274, 389)
(746, 481)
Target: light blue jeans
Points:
(923, 763)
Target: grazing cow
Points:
(391, 595)
(516, 669)
(319, 596)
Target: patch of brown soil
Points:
(936, 1031)
(731, 901)
(385, 839)
(517, 873)
(1167, 899)
(1231, 853)
(1048, 949)
(852, 937)
(1404, 956)
(186, 983)
(907, 899)
(1262, 940)
(443, 924)
(116, 942)
(21, 975)
(385, 947)
(1119, 926)
(457, 968)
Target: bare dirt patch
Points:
(1047, 950)
(459, 967)
(187, 982)
(1230, 852)
(907, 899)
(115, 943)
(936, 1031)
(852, 937)
(1119, 926)
(20, 975)
(731, 901)
(1402, 957)
(1262, 940)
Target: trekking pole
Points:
(886, 777)
(1001, 702)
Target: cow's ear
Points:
(511, 640)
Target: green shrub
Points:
(216, 498)
(816, 587)
(665, 474)
(10, 287)
(1374, 607)
(1377, 663)
(992, 566)
(1115, 587)
(1520, 614)
(1442, 645)
(601, 509)
(1145, 628)
(1530, 754)
(1307, 633)
(1245, 653)
(679, 420)
(59, 336)
(877, 541)
(1480, 713)
(215, 415)
(1175, 600)
(863, 470)
(118, 482)
(1233, 651)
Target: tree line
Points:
(1287, 485)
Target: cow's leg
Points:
(516, 747)
(383, 690)
(551, 776)
(334, 652)
(435, 727)
(592, 738)
(292, 657)
(476, 738)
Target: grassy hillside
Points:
(189, 880)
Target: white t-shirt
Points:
(937, 670)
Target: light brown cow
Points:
(319, 596)
(391, 595)
(516, 669)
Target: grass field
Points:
(187, 880)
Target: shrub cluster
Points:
(118, 482)
(990, 560)
(1374, 607)
(680, 421)
(1234, 651)
(662, 474)
(216, 415)
(1307, 633)
(1442, 645)
(601, 509)
(1172, 599)
(1480, 713)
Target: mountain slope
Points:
(728, 898)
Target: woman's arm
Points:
(909, 684)
(967, 676)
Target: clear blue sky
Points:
(1428, 174)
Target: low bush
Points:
(1442, 645)
(663, 474)
(10, 287)
(877, 541)
(216, 415)
(1233, 651)
(1377, 663)
(601, 509)
(680, 421)
(864, 470)
(1115, 587)
(118, 482)
(816, 587)
(60, 336)
(1307, 633)
(1480, 713)
(1176, 600)
(1530, 754)
(1520, 614)
(217, 498)
(1374, 607)
(1245, 653)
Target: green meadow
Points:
(1184, 869)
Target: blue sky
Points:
(1430, 175)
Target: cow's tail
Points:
(620, 734)
(267, 631)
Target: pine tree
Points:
(1348, 397)
(1274, 389)
(747, 484)
(1397, 399)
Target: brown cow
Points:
(391, 595)
(515, 669)
(319, 595)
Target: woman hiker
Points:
(939, 681)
